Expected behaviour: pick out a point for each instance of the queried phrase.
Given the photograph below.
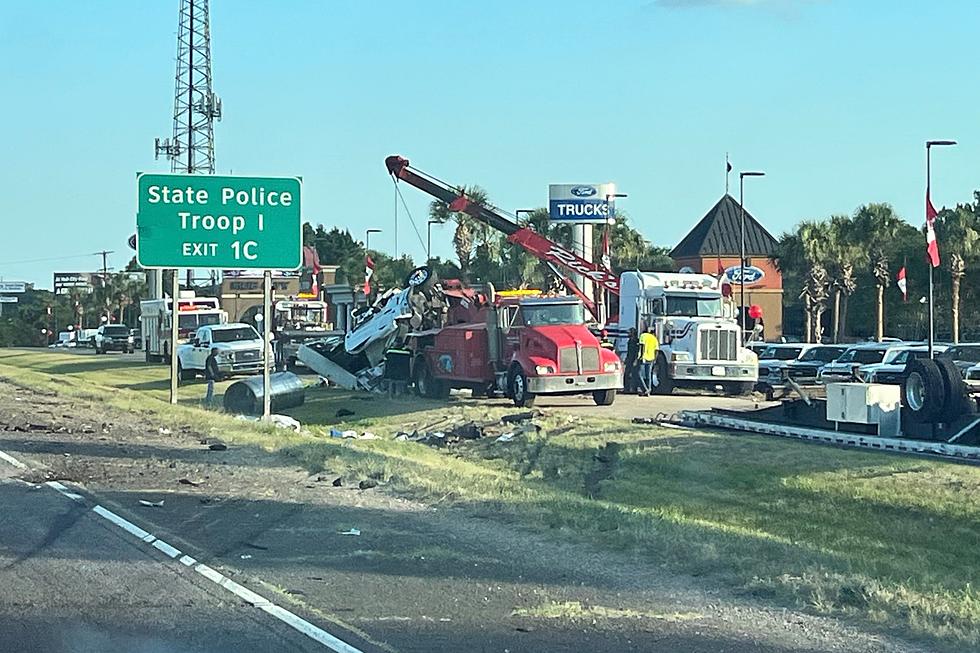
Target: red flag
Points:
(902, 285)
(368, 273)
(932, 247)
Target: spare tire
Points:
(421, 278)
(956, 400)
(923, 391)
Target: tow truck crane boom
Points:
(544, 248)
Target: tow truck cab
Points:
(528, 346)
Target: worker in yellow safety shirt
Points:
(648, 356)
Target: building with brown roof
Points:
(713, 245)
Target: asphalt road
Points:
(74, 583)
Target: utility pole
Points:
(196, 106)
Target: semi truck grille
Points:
(590, 359)
(718, 345)
(567, 360)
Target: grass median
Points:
(885, 539)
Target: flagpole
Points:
(928, 186)
(930, 216)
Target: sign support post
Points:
(267, 344)
(174, 334)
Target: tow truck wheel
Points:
(604, 397)
(427, 385)
(660, 381)
(518, 389)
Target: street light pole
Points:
(606, 258)
(367, 238)
(741, 240)
(929, 145)
(428, 241)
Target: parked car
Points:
(239, 348)
(113, 337)
(773, 363)
(843, 369)
(965, 355)
(892, 367)
(757, 346)
(804, 370)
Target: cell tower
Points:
(196, 107)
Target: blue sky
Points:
(833, 99)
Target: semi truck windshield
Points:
(694, 306)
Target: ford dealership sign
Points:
(581, 203)
(747, 275)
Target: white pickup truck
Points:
(239, 350)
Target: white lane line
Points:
(65, 491)
(292, 620)
(13, 461)
(166, 548)
(127, 526)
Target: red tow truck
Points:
(526, 345)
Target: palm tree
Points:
(878, 226)
(468, 231)
(844, 253)
(958, 231)
(815, 242)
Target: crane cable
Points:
(398, 192)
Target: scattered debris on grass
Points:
(367, 484)
(352, 531)
(151, 504)
(218, 446)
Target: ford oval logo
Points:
(583, 191)
(747, 275)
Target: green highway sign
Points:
(213, 221)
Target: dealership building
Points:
(714, 244)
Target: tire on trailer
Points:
(604, 397)
(956, 399)
(519, 393)
(923, 391)
(660, 382)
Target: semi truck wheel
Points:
(604, 397)
(660, 382)
(923, 392)
(518, 389)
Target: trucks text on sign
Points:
(212, 221)
(582, 203)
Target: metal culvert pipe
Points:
(246, 397)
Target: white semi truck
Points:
(192, 313)
(700, 341)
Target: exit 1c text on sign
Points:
(214, 221)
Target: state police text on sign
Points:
(581, 203)
(218, 221)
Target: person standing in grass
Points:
(211, 374)
(648, 355)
